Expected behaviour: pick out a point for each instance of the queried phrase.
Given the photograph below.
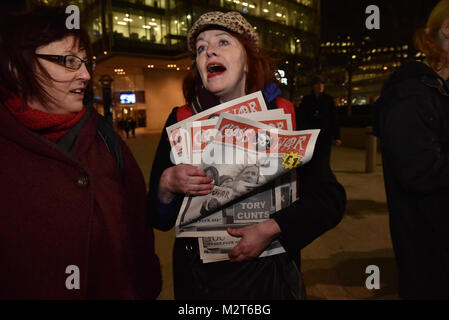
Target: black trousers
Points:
(269, 278)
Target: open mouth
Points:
(79, 91)
(214, 69)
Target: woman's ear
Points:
(445, 29)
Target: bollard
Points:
(371, 150)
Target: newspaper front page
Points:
(199, 133)
(243, 156)
(213, 249)
(216, 243)
(179, 136)
(248, 189)
(250, 210)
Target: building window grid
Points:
(140, 27)
(277, 11)
(156, 27)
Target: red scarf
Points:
(49, 125)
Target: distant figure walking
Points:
(132, 126)
(317, 111)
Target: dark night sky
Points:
(398, 19)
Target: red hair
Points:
(428, 40)
(428, 44)
(260, 71)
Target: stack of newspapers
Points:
(251, 154)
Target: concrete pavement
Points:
(333, 265)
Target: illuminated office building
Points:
(370, 65)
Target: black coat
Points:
(412, 121)
(320, 208)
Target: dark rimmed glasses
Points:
(69, 61)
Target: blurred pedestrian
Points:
(72, 217)
(127, 127)
(412, 122)
(132, 126)
(230, 64)
(317, 111)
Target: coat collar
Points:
(437, 83)
(12, 130)
(416, 70)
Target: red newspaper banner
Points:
(202, 132)
(178, 138)
(257, 139)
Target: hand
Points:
(337, 142)
(183, 178)
(255, 239)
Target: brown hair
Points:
(21, 34)
(260, 71)
(427, 40)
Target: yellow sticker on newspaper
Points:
(291, 160)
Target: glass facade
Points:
(284, 26)
(282, 12)
(145, 26)
(288, 29)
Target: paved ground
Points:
(334, 265)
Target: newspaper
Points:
(213, 249)
(179, 137)
(198, 133)
(250, 210)
(243, 156)
(216, 243)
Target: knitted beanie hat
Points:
(232, 21)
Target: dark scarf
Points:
(51, 126)
(204, 100)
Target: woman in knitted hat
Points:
(230, 64)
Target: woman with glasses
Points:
(72, 217)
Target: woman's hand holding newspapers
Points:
(255, 239)
(183, 178)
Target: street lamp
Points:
(106, 81)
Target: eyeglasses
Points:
(69, 61)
